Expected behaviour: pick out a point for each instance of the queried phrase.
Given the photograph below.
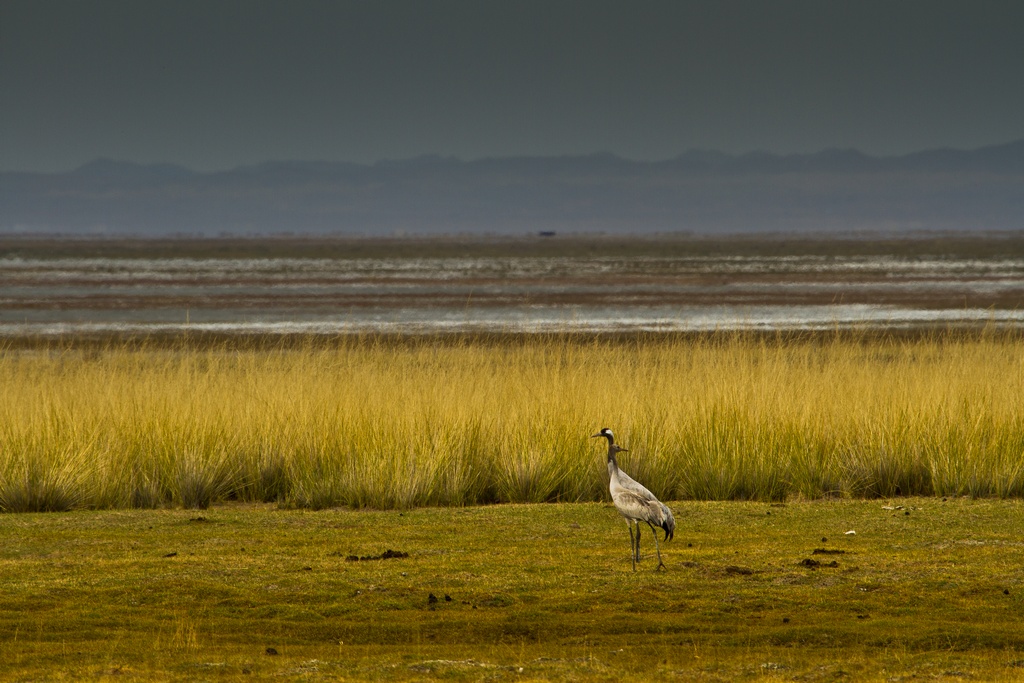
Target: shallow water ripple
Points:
(511, 294)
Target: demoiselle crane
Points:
(635, 503)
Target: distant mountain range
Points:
(836, 190)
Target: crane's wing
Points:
(636, 497)
(632, 505)
(628, 482)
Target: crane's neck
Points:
(613, 464)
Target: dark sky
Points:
(212, 85)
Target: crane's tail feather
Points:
(668, 522)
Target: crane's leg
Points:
(661, 565)
(638, 541)
(632, 544)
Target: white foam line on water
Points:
(698, 319)
(454, 268)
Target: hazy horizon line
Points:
(453, 158)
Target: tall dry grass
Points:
(367, 423)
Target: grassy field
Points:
(394, 424)
(221, 492)
(927, 589)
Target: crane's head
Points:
(607, 433)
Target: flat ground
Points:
(930, 589)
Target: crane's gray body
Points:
(636, 503)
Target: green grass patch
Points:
(925, 589)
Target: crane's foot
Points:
(661, 566)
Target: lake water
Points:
(499, 294)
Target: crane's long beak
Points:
(594, 436)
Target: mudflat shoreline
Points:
(299, 286)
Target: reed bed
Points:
(385, 424)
